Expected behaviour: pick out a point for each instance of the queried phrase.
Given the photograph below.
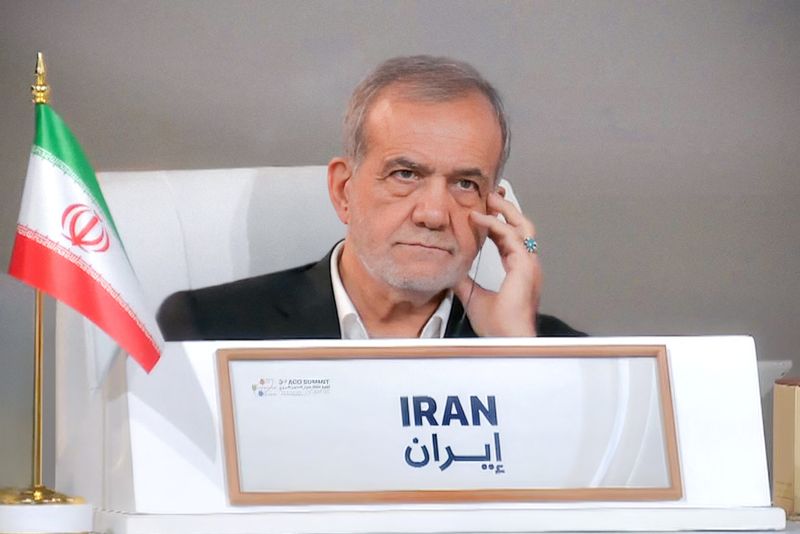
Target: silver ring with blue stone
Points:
(530, 245)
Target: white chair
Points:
(184, 229)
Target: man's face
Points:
(426, 167)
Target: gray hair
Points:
(424, 79)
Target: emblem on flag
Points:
(82, 226)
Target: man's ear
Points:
(339, 175)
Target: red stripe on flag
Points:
(39, 266)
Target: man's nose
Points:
(431, 209)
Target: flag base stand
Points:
(36, 495)
(39, 509)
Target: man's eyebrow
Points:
(402, 161)
(470, 172)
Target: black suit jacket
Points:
(293, 304)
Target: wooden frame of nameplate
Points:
(237, 496)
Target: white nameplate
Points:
(448, 424)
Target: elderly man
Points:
(425, 142)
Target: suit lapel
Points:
(313, 306)
(456, 327)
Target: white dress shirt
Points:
(350, 323)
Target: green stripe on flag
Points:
(55, 137)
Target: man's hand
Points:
(511, 311)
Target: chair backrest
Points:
(192, 228)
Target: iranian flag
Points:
(67, 244)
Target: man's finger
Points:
(506, 237)
(511, 213)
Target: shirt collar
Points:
(350, 324)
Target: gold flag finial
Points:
(40, 89)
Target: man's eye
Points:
(404, 174)
(468, 185)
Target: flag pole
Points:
(38, 338)
(41, 95)
(38, 493)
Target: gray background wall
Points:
(655, 144)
